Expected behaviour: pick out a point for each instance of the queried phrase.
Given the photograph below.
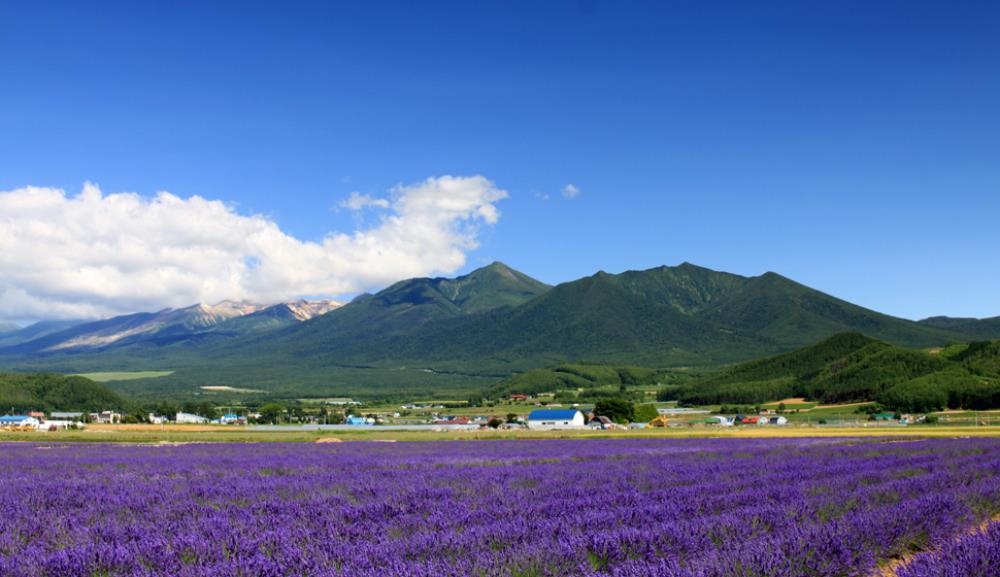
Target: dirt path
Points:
(842, 405)
(892, 569)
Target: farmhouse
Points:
(18, 422)
(188, 418)
(602, 423)
(453, 421)
(106, 417)
(232, 419)
(50, 425)
(555, 419)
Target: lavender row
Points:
(696, 508)
(973, 555)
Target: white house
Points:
(189, 419)
(556, 419)
(157, 419)
(106, 417)
(232, 419)
(20, 421)
(51, 425)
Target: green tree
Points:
(645, 413)
(618, 410)
(271, 413)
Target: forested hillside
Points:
(53, 392)
(852, 367)
(447, 337)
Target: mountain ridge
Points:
(176, 323)
(496, 321)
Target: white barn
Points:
(188, 418)
(556, 419)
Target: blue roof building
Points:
(555, 419)
(13, 418)
(18, 421)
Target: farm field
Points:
(184, 433)
(626, 508)
(97, 433)
(107, 377)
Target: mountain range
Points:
(225, 319)
(440, 336)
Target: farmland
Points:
(108, 377)
(602, 508)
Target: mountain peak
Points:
(495, 268)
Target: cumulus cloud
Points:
(359, 201)
(94, 254)
(570, 191)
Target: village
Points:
(517, 412)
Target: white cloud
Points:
(96, 254)
(358, 201)
(570, 191)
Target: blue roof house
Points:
(556, 419)
(18, 421)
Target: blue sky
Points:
(852, 146)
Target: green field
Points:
(124, 375)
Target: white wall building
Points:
(189, 419)
(556, 419)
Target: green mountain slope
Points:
(368, 329)
(852, 367)
(52, 392)
(979, 328)
(446, 335)
(658, 317)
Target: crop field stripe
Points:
(911, 564)
(602, 508)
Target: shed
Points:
(601, 423)
(453, 421)
(352, 420)
(556, 419)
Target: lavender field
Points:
(624, 508)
